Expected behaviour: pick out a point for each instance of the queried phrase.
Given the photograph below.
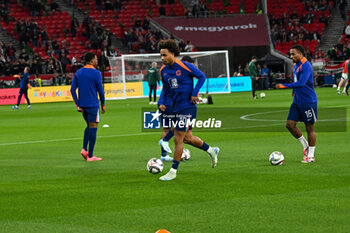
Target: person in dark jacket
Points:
(23, 88)
(153, 79)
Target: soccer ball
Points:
(262, 95)
(155, 166)
(276, 158)
(185, 155)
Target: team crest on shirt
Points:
(178, 72)
(173, 83)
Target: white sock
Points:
(338, 89)
(172, 170)
(210, 150)
(311, 151)
(303, 142)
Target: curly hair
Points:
(169, 45)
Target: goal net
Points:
(129, 73)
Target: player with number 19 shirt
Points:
(304, 106)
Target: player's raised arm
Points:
(304, 76)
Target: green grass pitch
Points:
(46, 186)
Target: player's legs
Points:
(164, 146)
(347, 88)
(310, 157)
(295, 115)
(311, 134)
(84, 151)
(296, 132)
(19, 97)
(345, 85)
(339, 85)
(168, 132)
(150, 94)
(199, 143)
(92, 137)
(178, 139)
(155, 93)
(253, 87)
(193, 140)
(293, 128)
(26, 97)
(92, 116)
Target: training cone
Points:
(163, 231)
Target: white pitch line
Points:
(69, 139)
(245, 117)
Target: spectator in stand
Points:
(182, 46)
(108, 5)
(99, 5)
(332, 53)
(117, 5)
(188, 13)
(112, 52)
(308, 53)
(323, 19)
(316, 36)
(203, 9)
(35, 37)
(162, 11)
(294, 15)
(138, 26)
(16, 67)
(74, 24)
(24, 55)
(240, 70)
(4, 13)
(189, 47)
(35, 67)
(64, 61)
(54, 6)
(44, 37)
(145, 23)
(319, 54)
(343, 4)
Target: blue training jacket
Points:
(178, 85)
(24, 81)
(88, 80)
(303, 86)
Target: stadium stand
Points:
(46, 30)
(304, 25)
(129, 20)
